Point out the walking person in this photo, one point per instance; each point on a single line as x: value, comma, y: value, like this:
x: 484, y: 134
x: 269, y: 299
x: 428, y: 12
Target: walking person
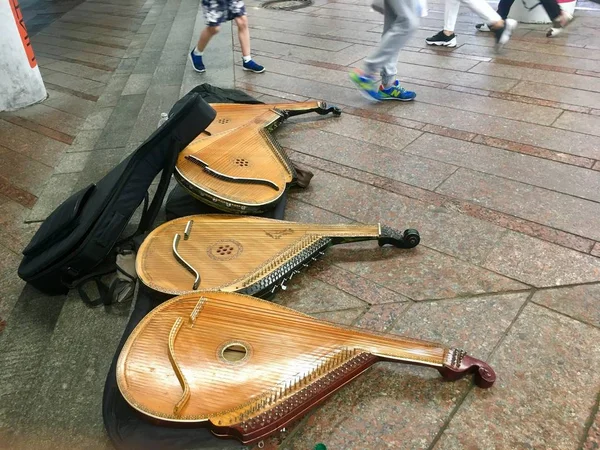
x: 501, y: 27
x: 560, y: 18
x: 401, y: 19
x: 215, y: 13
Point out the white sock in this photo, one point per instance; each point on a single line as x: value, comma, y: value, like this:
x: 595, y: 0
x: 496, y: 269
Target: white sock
x: 247, y: 58
x: 197, y: 52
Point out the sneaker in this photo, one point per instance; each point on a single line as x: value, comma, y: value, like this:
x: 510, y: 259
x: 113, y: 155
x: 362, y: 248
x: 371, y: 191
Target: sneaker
x: 561, y: 22
x: 442, y: 39
x: 252, y: 66
x: 553, y: 32
x: 365, y: 83
x: 483, y: 27
x: 396, y: 92
x: 503, y: 34
x: 197, y: 63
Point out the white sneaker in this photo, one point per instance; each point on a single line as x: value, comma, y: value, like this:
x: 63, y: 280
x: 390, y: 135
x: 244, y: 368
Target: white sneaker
x: 503, y: 34
x: 483, y: 27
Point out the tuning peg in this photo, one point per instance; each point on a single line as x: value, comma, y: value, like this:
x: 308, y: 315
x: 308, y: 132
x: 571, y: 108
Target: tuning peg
x: 282, y: 285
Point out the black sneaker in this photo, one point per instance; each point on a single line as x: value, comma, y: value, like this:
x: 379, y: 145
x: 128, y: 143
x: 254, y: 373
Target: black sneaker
x: 503, y: 34
x: 442, y: 39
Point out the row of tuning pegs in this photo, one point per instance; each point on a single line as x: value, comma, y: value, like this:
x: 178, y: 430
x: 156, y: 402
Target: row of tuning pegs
x: 284, y: 280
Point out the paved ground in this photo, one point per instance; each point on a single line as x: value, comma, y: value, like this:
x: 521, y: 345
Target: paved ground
x: 497, y: 163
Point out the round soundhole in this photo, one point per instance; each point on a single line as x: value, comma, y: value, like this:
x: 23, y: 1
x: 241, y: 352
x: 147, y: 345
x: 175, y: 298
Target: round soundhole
x: 234, y: 352
x: 226, y: 249
x: 241, y: 162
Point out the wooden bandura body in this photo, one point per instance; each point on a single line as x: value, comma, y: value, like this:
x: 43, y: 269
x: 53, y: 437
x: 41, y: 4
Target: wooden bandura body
x: 243, y: 254
x: 248, y: 367
x: 237, y: 165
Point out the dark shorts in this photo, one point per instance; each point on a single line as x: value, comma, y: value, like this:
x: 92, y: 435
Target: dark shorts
x: 218, y: 11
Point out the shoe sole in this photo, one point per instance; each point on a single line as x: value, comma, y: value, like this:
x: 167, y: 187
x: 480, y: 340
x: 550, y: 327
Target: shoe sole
x: 194, y: 67
x: 449, y: 44
x: 398, y: 99
x: 253, y: 71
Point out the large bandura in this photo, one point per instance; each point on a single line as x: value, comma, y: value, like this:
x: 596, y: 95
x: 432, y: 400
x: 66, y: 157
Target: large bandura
x: 249, y: 255
x: 247, y: 368
x: 237, y: 165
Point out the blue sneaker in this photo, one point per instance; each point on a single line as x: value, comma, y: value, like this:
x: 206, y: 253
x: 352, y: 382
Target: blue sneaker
x: 396, y: 92
x: 365, y: 83
x: 197, y: 63
x: 252, y: 66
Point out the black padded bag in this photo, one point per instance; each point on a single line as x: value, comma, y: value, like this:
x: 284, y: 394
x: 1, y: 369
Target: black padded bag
x: 81, y: 233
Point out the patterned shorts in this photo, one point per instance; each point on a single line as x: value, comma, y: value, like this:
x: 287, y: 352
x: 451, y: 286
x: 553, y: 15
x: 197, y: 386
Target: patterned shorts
x: 219, y: 11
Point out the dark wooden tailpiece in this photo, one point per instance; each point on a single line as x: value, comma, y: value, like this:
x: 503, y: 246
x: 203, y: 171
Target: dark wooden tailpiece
x: 484, y: 374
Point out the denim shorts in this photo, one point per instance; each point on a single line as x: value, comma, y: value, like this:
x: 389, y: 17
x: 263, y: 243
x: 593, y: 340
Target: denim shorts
x: 218, y: 11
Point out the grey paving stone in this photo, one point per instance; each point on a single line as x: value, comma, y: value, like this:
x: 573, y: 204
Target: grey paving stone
x: 137, y: 83
x: 98, y: 119
x: 555, y: 79
x: 557, y: 94
x: 540, y: 172
x: 111, y: 94
x: 146, y: 63
x: 158, y: 99
x: 57, y: 190
x: 540, y: 263
x: 169, y: 75
x: 121, y: 122
x: 565, y: 390
x: 372, y: 158
x: 73, y: 162
x: 571, y: 214
x: 582, y: 123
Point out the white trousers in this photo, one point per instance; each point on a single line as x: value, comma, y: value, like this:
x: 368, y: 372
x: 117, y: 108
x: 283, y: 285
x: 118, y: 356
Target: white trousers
x: 479, y: 7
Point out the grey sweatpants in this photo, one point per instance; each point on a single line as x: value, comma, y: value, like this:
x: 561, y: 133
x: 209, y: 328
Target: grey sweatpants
x: 400, y: 20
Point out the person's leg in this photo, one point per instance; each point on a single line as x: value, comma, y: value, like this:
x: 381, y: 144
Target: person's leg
x: 243, y: 34
x: 503, y: 10
x: 400, y: 22
x: 214, y: 14
x: 196, y: 54
x: 502, y: 29
x: 205, y: 37
x: 237, y: 12
x: 446, y: 37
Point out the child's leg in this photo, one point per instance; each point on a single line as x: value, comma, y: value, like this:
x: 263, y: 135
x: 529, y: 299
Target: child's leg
x: 238, y: 12
x: 206, y: 36
x: 243, y: 34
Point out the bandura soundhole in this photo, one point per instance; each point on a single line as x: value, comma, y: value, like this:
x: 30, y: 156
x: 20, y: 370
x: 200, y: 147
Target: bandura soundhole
x: 241, y: 162
x: 247, y: 367
x: 226, y: 250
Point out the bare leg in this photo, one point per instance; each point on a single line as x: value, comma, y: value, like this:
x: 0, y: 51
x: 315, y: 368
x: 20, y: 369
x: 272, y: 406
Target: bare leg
x: 206, y: 36
x: 243, y: 34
